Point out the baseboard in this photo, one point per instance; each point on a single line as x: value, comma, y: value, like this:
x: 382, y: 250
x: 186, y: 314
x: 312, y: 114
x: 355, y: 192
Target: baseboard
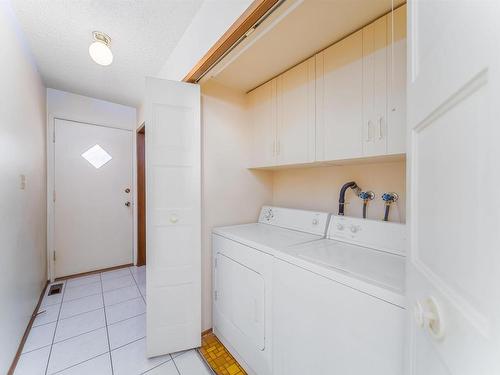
x: 93, y: 272
x: 26, y: 332
x: 206, y: 332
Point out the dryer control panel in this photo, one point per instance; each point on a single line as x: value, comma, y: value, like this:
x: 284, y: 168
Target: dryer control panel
x: 313, y: 222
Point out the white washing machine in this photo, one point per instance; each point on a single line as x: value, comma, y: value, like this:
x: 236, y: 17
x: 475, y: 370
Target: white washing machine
x: 339, y: 304
x: 243, y: 261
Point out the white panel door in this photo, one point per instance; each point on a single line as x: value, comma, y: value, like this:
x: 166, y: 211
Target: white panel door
x: 453, y: 117
x: 263, y: 116
x: 92, y: 223
x: 339, y: 99
x: 173, y: 210
x: 296, y: 114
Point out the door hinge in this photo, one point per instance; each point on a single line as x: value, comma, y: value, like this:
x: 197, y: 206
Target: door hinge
x: 54, y: 196
x: 215, y: 263
x: 54, y: 137
x: 54, y: 256
x: 216, y: 295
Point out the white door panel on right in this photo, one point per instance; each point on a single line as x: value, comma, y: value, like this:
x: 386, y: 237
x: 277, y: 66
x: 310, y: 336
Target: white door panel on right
x: 454, y: 263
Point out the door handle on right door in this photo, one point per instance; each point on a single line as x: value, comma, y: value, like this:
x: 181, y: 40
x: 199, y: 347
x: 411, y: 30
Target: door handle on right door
x: 127, y: 204
x: 429, y: 315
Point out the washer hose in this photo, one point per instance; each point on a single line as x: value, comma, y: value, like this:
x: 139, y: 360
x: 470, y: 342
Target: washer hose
x: 347, y: 185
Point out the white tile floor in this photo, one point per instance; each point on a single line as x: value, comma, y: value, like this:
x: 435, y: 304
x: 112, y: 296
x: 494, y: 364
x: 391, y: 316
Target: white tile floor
x: 97, y: 326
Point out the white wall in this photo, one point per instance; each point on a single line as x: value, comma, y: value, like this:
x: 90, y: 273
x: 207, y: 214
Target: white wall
x: 232, y: 194
x: 22, y: 212
x: 69, y: 106
x: 62, y: 104
x: 318, y: 188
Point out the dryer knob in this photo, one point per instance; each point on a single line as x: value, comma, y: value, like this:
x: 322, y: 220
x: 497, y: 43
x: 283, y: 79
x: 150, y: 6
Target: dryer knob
x: 354, y: 228
x: 340, y: 226
x: 315, y: 222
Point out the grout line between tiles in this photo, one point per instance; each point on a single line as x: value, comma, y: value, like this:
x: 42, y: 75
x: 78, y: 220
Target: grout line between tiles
x: 123, y: 320
x: 107, y: 331
x: 175, y: 364
x: 80, y: 334
x: 80, y: 313
x: 34, y: 350
x: 158, y: 365
x: 79, y: 363
x: 210, y: 369
x: 137, y: 286
x: 55, y: 330
x: 128, y: 343
x: 43, y: 324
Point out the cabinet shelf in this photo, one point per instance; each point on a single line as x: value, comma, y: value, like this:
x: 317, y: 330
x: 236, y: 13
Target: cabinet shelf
x: 325, y: 163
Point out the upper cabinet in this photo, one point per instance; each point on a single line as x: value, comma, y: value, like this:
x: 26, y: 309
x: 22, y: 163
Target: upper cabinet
x: 339, y: 100
x: 296, y: 138
x: 346, y: 102
x: 375, y: 88
x: 396, y: 81
x: 262, y: 103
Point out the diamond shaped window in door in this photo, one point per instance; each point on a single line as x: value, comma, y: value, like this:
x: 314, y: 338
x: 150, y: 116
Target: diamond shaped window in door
x: 96, y: 156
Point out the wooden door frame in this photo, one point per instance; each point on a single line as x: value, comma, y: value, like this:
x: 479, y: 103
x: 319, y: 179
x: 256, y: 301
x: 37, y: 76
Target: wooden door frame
x: 251, y: 16
x: 141, y: 195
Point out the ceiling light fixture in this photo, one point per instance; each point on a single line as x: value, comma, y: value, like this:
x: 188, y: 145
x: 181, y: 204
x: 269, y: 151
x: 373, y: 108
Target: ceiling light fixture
x: 99, y: 50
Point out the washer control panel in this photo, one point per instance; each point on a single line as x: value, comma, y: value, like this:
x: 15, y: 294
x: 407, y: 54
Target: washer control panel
x: 380, y: 235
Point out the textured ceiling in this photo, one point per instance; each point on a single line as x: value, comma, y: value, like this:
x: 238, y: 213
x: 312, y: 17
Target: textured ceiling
x: 143, y: 33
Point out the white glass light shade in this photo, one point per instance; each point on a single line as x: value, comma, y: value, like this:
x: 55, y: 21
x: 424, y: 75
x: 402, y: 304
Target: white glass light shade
x: 101, y: 53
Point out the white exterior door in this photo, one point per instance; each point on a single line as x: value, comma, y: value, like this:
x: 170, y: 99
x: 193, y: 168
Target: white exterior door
x: 173, y: 215
x: 92, y: 223
x: 453, y: 118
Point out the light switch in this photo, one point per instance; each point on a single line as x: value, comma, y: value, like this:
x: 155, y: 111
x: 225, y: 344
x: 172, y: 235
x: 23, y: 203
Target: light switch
x: 22, y: 182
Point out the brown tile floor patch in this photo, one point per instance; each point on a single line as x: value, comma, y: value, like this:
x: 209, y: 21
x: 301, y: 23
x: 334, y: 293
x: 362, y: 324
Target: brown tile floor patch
x: 218, y: 357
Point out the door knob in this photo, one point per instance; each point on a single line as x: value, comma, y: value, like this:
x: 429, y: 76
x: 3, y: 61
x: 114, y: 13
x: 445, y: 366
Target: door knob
x: 127, y: 204
x: 127, y: 190
x: 429, y: 315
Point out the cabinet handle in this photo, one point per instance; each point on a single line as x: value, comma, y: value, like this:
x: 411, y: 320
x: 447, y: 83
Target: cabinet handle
x: 368, y: 131
x: 380, y: 127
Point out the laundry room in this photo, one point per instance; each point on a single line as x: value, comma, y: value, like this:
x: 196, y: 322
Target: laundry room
x: 317, y: 130
x: 250, y: 187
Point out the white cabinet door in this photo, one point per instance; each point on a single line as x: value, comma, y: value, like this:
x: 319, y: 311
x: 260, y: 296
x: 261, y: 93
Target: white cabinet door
x: 296, y: 114
x: 375, y: 88
x: 454, y: 261
x: 173, y: 206
x: 339, y: 100
x: 396, y: 81
x: 262, y: 103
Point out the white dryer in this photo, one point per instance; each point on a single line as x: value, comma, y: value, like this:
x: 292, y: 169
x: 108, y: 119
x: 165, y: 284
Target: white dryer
x: 339, y: 304
x: 242, y: 274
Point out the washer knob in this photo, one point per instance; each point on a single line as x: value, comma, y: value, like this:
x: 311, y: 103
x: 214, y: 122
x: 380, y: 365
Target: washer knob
x: 340, y: 226
x: 354, y: 228
x: 315, y: 222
